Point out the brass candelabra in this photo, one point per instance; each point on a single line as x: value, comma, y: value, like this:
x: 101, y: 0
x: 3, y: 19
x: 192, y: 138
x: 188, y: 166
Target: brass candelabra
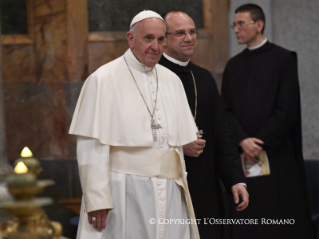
x: 30, y: 220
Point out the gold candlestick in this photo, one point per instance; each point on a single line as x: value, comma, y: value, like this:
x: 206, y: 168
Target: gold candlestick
x: 30, y: 219
x: 22, y: 185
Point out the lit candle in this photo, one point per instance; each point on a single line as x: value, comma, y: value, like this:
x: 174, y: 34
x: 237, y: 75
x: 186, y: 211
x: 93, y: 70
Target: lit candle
x: 21, y: 178
x: 26, y: 152
x: 32, y: 164
x: 20, y: 168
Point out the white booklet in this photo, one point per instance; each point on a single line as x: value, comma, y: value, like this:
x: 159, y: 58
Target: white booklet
x: 255, y: 169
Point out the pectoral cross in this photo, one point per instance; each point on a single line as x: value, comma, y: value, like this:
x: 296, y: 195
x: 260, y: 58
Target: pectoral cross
x: 200, y: 132
x: 155, y: 126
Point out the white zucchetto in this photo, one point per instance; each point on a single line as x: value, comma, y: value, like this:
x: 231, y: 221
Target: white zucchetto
x: 144, y: 15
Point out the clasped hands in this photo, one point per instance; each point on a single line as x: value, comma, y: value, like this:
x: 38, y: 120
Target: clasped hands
x: 251, y: 148
x: 195, y: 148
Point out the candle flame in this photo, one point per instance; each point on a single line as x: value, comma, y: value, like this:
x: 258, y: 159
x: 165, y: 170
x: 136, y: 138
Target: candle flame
x: 26, y: 152
x: 20, y: 168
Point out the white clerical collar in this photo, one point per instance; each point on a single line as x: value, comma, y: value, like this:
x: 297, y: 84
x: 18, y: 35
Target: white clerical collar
x: 258, y: 46
x: 181, y: 63
x: 136, y: 64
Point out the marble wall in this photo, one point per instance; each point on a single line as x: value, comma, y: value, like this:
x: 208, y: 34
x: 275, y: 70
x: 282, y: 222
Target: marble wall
x: 296, y: 28
x: 115, y: 15
x: 2, y: 123
x: 39, y: 118
x: 5, y: 168
x: 38, y: 70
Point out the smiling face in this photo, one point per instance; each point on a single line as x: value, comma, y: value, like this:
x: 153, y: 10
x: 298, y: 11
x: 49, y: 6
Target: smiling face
x: 180, y: 48
x: 147, y: 41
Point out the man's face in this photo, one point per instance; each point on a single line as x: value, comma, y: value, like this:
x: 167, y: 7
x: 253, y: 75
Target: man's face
x: 180, y: 47
x: 148, y: 41
x: 246, y: 29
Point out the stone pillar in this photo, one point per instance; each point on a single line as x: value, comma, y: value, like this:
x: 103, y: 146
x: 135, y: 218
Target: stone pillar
x: 295, y: 29
x: 5, y: 168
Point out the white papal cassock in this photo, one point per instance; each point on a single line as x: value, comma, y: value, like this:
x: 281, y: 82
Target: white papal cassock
x: 110, y: 114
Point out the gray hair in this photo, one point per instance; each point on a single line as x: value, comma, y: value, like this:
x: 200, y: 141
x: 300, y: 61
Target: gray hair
x: 133, y: 29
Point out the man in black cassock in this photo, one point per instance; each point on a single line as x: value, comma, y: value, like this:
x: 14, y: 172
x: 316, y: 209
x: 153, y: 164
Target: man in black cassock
x: 261, y: 93
x: 214, y: 155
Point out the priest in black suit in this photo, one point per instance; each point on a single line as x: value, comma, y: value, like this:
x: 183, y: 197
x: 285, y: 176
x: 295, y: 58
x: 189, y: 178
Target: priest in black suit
x: 261, y: 93
x: 214, y: 155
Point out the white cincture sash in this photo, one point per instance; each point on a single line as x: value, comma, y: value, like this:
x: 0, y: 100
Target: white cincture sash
x: 148, y: 162
x: 145, y: 162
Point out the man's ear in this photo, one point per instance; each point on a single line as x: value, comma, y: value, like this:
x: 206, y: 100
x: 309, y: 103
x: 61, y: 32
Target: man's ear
x: 129, y: 37
x: 260, y: 25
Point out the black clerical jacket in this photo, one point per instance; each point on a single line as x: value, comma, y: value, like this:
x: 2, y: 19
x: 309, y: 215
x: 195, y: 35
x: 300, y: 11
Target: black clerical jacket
x: 260, y: 90
x: 219, y: 160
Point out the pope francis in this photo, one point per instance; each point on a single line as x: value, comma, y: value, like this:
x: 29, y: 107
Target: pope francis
x: 131, y: 120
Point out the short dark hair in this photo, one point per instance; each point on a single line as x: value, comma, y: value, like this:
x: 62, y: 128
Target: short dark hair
x: 255, y: 11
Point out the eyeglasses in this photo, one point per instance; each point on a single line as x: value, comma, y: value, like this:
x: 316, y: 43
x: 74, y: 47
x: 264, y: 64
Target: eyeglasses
x: 241, y: 25
x: 182, y: 33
